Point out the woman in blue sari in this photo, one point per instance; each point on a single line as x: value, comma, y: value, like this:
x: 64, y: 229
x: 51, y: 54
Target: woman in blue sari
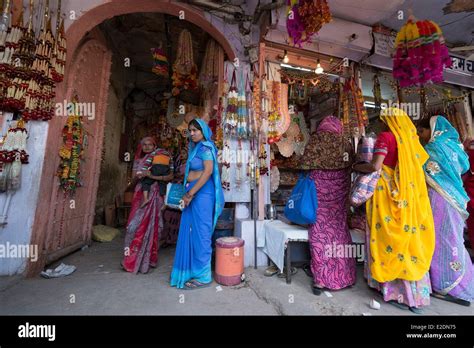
x: 451, y: 272
x: 204, y: 201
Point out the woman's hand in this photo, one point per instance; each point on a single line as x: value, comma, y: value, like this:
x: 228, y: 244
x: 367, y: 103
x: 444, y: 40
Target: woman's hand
x: 187, y: 200
x: 140, y: 174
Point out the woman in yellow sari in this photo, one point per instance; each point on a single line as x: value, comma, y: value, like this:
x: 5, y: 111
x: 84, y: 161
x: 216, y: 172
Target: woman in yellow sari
x: 401, y: 237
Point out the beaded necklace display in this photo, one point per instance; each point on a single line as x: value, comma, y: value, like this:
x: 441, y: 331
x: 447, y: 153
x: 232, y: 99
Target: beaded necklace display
x: 231, y: 117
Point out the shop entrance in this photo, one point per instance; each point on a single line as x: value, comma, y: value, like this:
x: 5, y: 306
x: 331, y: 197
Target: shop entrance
x: 127, y: 104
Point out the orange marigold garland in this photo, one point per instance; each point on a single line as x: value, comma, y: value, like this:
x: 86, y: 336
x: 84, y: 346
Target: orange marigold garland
x: 71, y: 154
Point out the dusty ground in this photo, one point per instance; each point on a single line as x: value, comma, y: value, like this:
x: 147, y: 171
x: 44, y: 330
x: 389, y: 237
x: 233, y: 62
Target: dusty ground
x: 100, y: 287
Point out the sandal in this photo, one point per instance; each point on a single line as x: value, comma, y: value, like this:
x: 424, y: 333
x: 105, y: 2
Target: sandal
x: 416, y: 310
x: 283, y: 274
x: 194, y: 284
x: 452, y: 299
x: 271, y: 271
x: 316, y: 291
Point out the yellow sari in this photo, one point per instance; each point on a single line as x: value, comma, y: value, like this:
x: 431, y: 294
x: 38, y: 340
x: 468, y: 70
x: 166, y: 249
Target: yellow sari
x: 402, y: 234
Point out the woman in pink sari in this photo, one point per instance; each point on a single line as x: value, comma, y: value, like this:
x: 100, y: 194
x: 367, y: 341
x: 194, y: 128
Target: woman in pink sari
x: 144, y: 223
x: 329, y: 157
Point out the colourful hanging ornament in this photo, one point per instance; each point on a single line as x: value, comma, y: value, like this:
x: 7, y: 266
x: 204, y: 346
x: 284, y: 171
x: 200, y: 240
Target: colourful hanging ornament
x: 14, y: 144
x: 160, y: 63
x: 242, y: 116
x: 305, y: 18
x: 58, y: 61
x: 231, y: 116
x: 421, y: 54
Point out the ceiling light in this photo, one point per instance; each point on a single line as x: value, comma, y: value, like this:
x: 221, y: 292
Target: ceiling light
x: 319, y: 69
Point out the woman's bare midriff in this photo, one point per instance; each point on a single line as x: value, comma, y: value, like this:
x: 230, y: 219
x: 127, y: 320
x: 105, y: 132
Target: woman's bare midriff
x: 194, y: 175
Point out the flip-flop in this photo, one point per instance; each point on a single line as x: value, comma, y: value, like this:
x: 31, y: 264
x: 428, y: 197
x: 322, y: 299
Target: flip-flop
x: 194, y: 284
x: 416, y: 310
x: 316, y: 291
x: 452, y: 299
x: 398, y: 305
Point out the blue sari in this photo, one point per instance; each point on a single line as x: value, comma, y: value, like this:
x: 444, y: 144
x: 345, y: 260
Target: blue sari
x: 193, y: 251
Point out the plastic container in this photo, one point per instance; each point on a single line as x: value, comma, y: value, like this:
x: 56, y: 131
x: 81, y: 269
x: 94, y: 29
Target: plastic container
x: 229, y: 261
x: 219, y: 234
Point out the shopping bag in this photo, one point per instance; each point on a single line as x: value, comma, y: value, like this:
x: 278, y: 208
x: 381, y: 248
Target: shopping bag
x: 363, y: 188
x: 303, y: 203
x: 174, y: 196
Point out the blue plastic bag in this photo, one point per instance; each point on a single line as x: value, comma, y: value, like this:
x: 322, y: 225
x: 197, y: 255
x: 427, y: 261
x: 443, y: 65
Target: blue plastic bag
x: 303, y: 202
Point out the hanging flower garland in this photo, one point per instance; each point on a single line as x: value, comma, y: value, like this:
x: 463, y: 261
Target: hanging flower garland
x: 353, y: 104
x: 14, y: 144
x: 71, y: 154
x: 242, y: 116
x: 184, y: 69
x: 305, y: 18
x: 421, y: 54
x: 225, y: 175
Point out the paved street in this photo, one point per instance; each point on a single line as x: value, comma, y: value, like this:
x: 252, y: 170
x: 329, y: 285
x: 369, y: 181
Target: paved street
x: 100, y: 287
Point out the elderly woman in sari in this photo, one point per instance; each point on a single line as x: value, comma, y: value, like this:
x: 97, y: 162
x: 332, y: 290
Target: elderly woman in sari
x: 204, y: 202
x: 401, y: 236
x: 143, y: 227
x: 452, y: 274
x: 329, y: 157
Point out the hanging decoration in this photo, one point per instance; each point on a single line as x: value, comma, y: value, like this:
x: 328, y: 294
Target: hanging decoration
x: 242, y: 116
x: 355, y: 117
x: 209, y: 73
x: 302, y: 138
x: 160, y: 62
x: 305, y: 18
x: 274, y: 178
x: 231, y: 116
x: 377, y: 92
x: 309, y: 81
x: 58, y: 61
x: 184, y: 69
x: 420, y: 54
x: 71, y: 154
x: 225, y: 174
x: 274, y: 115
x: 14, y: 144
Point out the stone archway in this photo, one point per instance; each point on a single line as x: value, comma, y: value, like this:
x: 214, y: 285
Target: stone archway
x: 81, y: 31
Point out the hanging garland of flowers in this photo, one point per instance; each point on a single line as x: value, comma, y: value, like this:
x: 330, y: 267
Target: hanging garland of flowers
x: 231, y: 116
x: 275, y: 115
x: 305, y: 18
x: 58, y: 60
x: 184, y: 70
x: 71, y: 154
x: 14, y: 145
x: 421, y: 54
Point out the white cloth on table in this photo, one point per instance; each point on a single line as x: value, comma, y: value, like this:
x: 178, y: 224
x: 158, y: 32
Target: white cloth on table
x: 277, y: 234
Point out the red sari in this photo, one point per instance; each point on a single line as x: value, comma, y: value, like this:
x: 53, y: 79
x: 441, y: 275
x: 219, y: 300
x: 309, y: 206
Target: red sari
x: 143, y: 229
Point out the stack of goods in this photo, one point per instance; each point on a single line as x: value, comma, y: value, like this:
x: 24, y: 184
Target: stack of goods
x: 184, y: 69
x: 420, y: 54
x: 305, y: 18
x: 12, y: 155
x: 71, y: 154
